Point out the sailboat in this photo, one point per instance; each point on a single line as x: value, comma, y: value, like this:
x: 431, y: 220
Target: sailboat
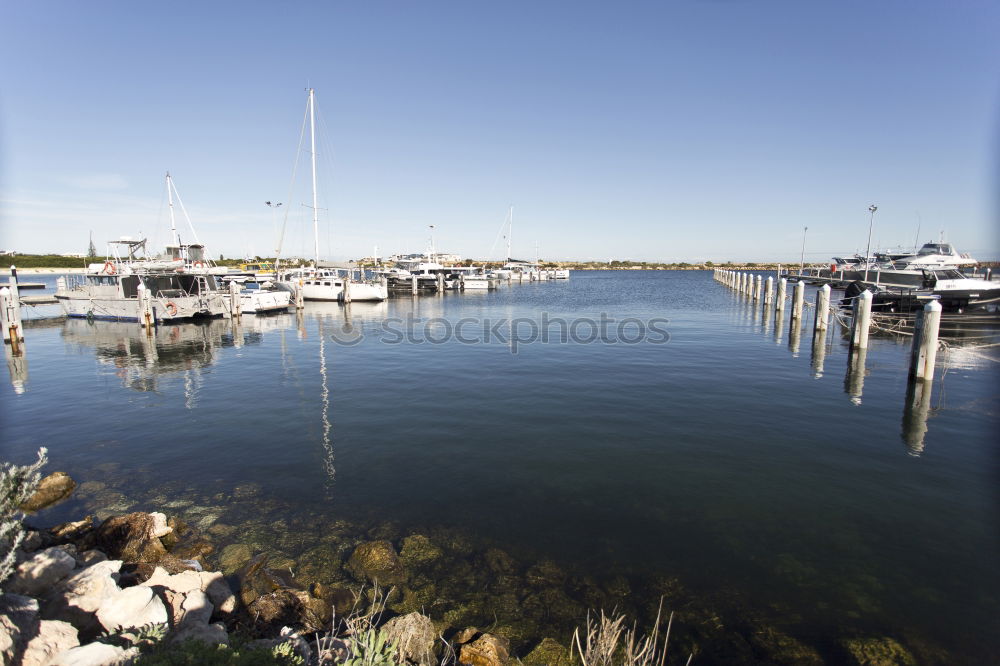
x: 325, y: 284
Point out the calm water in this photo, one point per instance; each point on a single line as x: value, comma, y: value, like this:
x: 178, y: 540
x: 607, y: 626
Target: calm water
x: 723, y: 457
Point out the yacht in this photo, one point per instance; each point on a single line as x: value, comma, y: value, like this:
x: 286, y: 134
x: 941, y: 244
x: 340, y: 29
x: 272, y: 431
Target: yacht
x: 325, y: 284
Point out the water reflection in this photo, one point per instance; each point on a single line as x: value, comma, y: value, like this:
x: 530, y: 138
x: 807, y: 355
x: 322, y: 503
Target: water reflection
x: 17, y: 366
x: 915, y: 413
x: 854, y: 381
x: 818, y: 353
x: 795, y: 336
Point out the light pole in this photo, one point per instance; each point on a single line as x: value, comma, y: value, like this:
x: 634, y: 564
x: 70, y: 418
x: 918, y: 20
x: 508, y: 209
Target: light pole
x: 868, y: 251
x: 802, y: 257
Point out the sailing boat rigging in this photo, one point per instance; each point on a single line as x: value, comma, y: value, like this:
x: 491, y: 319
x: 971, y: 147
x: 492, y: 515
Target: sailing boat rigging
x: 324, y: 284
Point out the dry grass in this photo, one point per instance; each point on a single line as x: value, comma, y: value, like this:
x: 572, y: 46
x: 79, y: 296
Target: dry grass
x: 609, y: 641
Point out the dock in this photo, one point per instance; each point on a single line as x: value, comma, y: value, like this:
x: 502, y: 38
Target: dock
x: 43, y: 299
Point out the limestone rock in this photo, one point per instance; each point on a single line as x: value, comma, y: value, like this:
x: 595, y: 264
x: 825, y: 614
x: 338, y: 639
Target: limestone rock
x: 132, y: 607
x: 95, y: 654
x: 414, y: 636
x: 18, y: 622
x: 131, y: 538
x: 212, y: 584
x: 36, y: 575
x: 276, y: 609
x: 487, y: 650
x: 53, y: 488
x: 376, y: 561
x: 159, y: 528
x: 213, y: 634
x: 465, y: 636
x: 548, y: 653
x: 77, y: 598
x: 54, y: 637
x: 878, y: 652
x: 32, y: 541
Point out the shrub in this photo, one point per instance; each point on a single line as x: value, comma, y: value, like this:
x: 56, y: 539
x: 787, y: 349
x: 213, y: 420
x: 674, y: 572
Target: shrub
x: 17, y: 484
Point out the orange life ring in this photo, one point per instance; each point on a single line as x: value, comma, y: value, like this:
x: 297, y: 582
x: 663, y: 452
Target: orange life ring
x: 171, y: 308
x: 198, y: 264
x: 109, y: 268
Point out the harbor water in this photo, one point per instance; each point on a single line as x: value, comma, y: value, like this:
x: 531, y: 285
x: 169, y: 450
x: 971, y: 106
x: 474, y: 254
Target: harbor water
x: 694, y: 443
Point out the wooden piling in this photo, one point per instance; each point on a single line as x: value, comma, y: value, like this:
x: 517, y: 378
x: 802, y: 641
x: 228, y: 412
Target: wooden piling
x: 923, y: 354
x: 10, y: 320
x: 235, y: 303
x: 769, y: 291
x: 413, y: 284
x: 779, y: 300
x: 300, y: 299
x: 822, y: 308
x: 758, y: 282
x: 861, y: 320
x: 345, y: 295
x: 798, y: 299
x: 146, y: 315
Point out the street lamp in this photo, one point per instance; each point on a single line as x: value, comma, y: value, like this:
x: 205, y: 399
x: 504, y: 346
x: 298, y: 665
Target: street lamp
x: 802, y: 257
x: 868, y: 251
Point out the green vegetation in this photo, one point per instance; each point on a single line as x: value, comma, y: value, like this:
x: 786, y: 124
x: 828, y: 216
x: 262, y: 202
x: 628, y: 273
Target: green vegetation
x: 17, y: 484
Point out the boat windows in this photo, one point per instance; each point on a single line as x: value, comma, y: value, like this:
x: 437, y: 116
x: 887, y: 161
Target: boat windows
x: 102, y: 280
x: 948, y: 275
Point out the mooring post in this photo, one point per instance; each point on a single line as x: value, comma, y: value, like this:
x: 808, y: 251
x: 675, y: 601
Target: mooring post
x: 146, y: 316
x: 300, y: 299
x: 822, y: 308
x: 10, y: 319
x: 757, y: 288
x: 235, y: 304
x: 440, y: 283
x: 861, y: 320
x: 779, y: 299
x: 768, y: 291
x: 413, y: 284
x: 989, y: 275
x: 798, y: 299
x: 15, y: 293
x: 923, y: 354
x: 345, y: 295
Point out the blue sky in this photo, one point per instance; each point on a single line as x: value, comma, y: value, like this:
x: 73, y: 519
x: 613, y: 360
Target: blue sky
x: 690, y: 130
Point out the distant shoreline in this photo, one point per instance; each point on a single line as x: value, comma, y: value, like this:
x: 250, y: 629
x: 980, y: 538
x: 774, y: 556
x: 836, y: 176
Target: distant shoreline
x: 43, y: 271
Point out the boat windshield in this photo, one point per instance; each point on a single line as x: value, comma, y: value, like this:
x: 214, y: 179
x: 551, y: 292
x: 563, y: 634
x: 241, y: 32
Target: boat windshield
x: 949, y: 275
x: 935, y: 248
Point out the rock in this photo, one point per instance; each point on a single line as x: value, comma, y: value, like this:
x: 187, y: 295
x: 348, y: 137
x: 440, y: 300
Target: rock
x: 548, y: 653
x: 418, y: 550
x: 212, y: 584
x: 340, y: 599
x: 781, y: 648
x: 499, y: 562
x: 545, y: 574
x: 18, y: 623
x: 213, y: 634
x: 52, y: 489
x: 487, y: 650
x: 77, y: 598
x: 72, y: 530
x: 95, y: 654
x: 36, y: 575
x: 32, y: 541
x: 132, y: 607
x: 233, y: 557
x: 414, y: 637
x: 316, y: 614
x: 159, y: 528
x: 878, y: 652
x: 376, y: 561
x: 54, y: 637
x: 90, y: 557
x: 131, y: 538
x: 276, y: 609
x: 465, y: 636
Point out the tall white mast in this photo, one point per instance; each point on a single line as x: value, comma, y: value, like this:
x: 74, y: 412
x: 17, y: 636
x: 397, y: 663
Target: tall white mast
x: 170, y: 204
x: 312, y: 151
x: 510, y: 230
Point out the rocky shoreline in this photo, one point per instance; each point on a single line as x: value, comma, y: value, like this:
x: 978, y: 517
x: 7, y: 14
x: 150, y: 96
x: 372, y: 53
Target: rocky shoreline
x: 203, y: 580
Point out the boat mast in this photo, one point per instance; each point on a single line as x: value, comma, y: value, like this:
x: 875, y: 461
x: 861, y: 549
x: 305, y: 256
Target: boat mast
x: 510, y: 230
x: 312, y: 152
x: 170, y: 204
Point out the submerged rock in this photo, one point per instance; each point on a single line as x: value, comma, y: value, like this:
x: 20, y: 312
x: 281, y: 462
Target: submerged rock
x: 418, y: 550
x: 52, y: 489
x: 548, y: 653
x: 414, y: 637
x: 377, y: 562
x: 878, y: 652
x: 233, y: 557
